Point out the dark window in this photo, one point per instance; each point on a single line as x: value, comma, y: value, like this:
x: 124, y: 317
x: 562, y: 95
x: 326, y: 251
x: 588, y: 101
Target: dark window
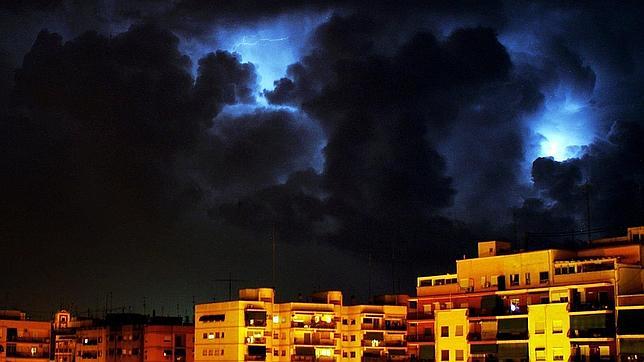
x: 212, y: 318
x: 445, y: 355
x: 543, y: 277
x: 444, y: 331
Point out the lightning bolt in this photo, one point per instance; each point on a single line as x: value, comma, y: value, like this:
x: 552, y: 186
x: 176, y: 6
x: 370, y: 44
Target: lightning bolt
x: 246, y: 42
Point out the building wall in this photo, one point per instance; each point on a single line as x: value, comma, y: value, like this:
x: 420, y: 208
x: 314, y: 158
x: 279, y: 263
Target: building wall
x: 456, y: 324
x: 548, y: 325
x: 24, y: 340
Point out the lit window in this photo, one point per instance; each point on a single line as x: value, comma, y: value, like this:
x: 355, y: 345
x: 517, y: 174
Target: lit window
x: 459, y: 354
x: 514, y: 279
x: 444, y: 331
x: 557, y: 326
x: 276, y: 319
x: 211, y: 335
x: 557, y: 354
x: 445, y: 355
x: 604, y: 351
x: 540, y: 354
x: 459, y: 330
x: 539, y: 327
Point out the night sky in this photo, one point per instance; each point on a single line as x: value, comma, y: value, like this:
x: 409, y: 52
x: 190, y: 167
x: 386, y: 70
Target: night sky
x: 152, y: 149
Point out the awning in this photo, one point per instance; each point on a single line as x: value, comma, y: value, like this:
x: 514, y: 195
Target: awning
x: 592, y: 321
x: 427, y: 353
x: 369, y: 336
x: 212, y: 318
x: 631, y: 345
x: 483, y: 348
x: 513, y: 325
x: 513, y: 350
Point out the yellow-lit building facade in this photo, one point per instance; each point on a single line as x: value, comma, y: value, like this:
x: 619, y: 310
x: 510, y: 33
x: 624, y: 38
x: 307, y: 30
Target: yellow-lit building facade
x: 23, y: 340
x: 547, y: 305
x: 254, y: 328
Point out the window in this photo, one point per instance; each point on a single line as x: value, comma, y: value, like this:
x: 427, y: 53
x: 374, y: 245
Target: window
x: 543, y: 277
x: 604, y: 351
x: 222, y: 334
x: 444, y: 331
x: 283, y: 352
x: 353, y: 338
x: 459, y: 330
x: 204, y: 352
x: 413, y: 304
x: 494, y: 280
x: 205, y: 335
x: 527, y: 278
x: 540, y: 354
x: 276, y: 352
x: 514, y: 279
x: 557, y: 326
x: 353, y: 322
x: 344, y: 337
x: 344, y: 354
x: 539, y: 327
x: 557, y: 354
x: 344, y: 321
x: 445, y: 355
x: 353, y: 355
x: 211, y: 335
x: 459, y: 354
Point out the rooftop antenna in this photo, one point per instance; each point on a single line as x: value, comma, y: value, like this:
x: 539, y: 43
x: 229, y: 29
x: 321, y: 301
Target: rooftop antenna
x: 273, y: 261
x: 230, y: 281
x: 586, y: 188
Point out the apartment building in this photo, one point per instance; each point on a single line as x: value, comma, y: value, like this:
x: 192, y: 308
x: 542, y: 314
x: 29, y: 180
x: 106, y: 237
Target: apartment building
x: 124, y: 337
x: 255, y: 328
x: 547, y: 305
x: 23, y: 340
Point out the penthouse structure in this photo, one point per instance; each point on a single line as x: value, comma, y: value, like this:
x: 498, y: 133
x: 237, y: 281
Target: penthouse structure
x: 255, y: 328
x: 547, y: 305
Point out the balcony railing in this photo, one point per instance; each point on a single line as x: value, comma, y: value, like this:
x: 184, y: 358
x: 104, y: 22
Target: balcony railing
x: 255, y: 340
x: 27, y: 339
x: 396, y: 327
x: 314, y: 342
x: 300, y: 358
x: 15, y: 354
x: 370, y: 343
x: 371, y: 326
x: 318, y: 325
x: 512, y: 336
x: 419, y: 315
x: 585, y: 307
x: 255, y: 323
x: 254, y: 357
x: 592, y: 333
x: 420, y: 338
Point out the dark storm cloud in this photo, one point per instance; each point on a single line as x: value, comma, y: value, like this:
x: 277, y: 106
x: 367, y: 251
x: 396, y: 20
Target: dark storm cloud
x: 419, y: 119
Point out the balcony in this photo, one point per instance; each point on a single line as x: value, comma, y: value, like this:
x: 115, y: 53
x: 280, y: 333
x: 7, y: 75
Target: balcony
x: 368, y: 326
x: 313, y: 342
x: 592, y: 333
x: 377, y: 343
x: 255, y: 340
x: 586, y: 307
x: 630, y: 300
x: 27, y: 339
x: 312, y: 324
x: 396, y: 326
x: 420, y: 315
x: 15, y: 354
x: 420, y: 338
x: 307, y: 358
